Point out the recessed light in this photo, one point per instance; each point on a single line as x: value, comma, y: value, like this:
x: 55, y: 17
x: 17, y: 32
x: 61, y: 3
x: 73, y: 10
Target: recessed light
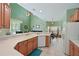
x: 40, y: 10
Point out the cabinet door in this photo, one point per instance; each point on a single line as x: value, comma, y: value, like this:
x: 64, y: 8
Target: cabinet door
x: 47, y: 41
x: 77, y: 14
x: 6, y: 16
x: 30, y: 45
x: 76, y: 50
x: 0, y: 15
x: 17, y: 47
x: 35, y: 43
x: 71, y: 48
x: 23, y: 48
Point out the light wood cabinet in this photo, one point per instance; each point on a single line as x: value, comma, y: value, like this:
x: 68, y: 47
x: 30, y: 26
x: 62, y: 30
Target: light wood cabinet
x: 76, y: 50
x: 0, y: 15
x: 27, y: 46
x: 23, y: 48
x: 75, y: 16
x: 17, y: 47
x: 47, y: 41
x: 30, y: 45
x: 73, y: 49
x: 4, y: 15
x: 35, y: 43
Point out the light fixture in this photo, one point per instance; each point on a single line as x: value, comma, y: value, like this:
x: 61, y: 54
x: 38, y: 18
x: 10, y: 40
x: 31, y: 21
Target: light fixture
x: 28, y: 14
x: 40, y: 11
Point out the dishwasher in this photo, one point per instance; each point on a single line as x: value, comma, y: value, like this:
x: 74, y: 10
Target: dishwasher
x: 41, y: 41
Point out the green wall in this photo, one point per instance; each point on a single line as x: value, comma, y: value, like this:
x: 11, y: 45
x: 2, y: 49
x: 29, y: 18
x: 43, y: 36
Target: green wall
x: 36, y: 21
x: 18, y: 17
x: 19, y: 13
x: 54, y: 23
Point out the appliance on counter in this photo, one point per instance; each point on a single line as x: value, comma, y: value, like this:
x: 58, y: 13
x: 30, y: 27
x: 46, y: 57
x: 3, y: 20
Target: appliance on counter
x: 36, y: 31
x: 17, y: 32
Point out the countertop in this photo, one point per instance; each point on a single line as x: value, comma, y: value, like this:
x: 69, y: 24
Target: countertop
x: 7, y: 43
x: 76, y: 42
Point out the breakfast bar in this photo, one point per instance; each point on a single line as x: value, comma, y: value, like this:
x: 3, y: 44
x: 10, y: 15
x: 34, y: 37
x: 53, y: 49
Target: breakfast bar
x: 21, y: 44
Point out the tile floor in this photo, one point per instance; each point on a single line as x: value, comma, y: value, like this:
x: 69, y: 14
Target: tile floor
x: 55, y: 49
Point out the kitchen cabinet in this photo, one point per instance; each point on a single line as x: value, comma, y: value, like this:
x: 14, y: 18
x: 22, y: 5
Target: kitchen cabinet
x: 27, y: 46
x: 17, y: 47
x: 23, y: 47
x: 47, y: 41
x: 35, y: 43
x: 0, y: 15
x: 75, y: 16
x: 76, y: 50
x: 30, y: 45
x: 4, y: 15
x: 73, y: 49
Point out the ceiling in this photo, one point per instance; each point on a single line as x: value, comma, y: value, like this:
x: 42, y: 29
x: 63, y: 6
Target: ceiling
x: 49, y: 11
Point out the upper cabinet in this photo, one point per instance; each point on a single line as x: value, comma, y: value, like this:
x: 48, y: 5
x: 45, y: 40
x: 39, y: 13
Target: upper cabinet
x: 4, y: 15
x: 75, y: 16
x: 0, y: 15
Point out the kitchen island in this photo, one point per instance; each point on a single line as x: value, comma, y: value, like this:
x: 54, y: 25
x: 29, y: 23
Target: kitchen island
x: 8, y: 43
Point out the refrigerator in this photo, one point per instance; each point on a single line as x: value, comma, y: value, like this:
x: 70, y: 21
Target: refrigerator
x: 71, y: 33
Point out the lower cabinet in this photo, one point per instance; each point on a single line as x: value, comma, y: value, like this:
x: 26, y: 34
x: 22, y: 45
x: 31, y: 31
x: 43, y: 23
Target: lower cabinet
x: 23, y: 48
x: 30, y: 45
x: 35, y: 43
x: 47, y: 41
x: 76, y: 50
x: 73, y: 49
x: 27, y: 46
